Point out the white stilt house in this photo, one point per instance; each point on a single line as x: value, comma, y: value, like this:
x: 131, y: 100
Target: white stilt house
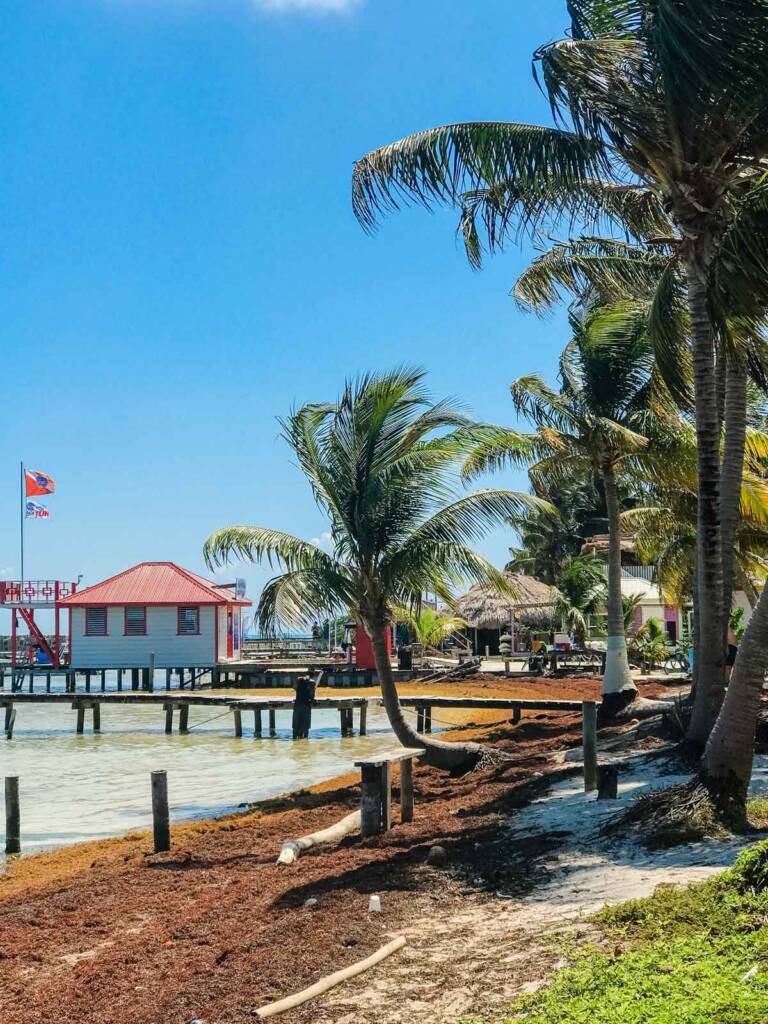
x: 155, y: 608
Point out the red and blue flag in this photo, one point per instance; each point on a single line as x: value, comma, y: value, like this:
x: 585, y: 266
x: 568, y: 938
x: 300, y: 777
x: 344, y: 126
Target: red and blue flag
x: 38, y: 483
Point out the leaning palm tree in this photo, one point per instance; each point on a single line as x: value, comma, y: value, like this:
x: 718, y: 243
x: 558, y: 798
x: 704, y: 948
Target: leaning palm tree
x: 654, y: 97
x: 382, y: 463
x: 600, y: 422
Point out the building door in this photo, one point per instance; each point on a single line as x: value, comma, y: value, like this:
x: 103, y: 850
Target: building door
x: 230, y: 636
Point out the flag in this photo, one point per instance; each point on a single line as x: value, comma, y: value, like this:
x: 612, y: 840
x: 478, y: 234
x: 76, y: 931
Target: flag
x: 35, y: 511
x: 38, y: 483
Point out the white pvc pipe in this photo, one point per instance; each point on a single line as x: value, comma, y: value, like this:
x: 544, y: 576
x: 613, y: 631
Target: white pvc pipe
x: 332, y: 980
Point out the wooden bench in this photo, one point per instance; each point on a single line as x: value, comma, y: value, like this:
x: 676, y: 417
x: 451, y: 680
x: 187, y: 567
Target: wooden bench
x: 376, y: 799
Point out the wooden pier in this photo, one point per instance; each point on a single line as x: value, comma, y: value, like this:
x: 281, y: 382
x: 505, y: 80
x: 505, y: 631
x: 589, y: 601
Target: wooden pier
x: 181, y: 703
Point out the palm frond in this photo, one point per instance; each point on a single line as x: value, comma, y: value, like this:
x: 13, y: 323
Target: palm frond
x: 435, y: 167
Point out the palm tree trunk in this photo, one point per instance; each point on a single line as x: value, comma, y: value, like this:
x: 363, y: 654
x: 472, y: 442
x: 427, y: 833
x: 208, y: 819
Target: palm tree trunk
x: 727, y: 763
x: 618, y: 686
x: 745, y: 583
x: 731, y: 473
x: 711, y: 659
x: 448, y: 756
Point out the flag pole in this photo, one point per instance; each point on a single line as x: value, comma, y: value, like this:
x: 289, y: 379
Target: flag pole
x: 21, y: 519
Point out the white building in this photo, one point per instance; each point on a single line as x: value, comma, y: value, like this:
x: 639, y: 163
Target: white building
x: 676, y: 622
x: 154, y: 608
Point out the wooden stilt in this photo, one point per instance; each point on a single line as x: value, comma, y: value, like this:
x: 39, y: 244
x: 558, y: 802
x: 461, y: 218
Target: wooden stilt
x: 168, y: 719
x: 589, y: 744
x: 10, y: 719
x: 184, y: 718
x: 238, y: 716
x: 272, y: 729
x: 168, y: 679
x: 80, y: 727
x: 376, y: 805
x: 12, y: 815
x: 161, y: 831
x: 96, y: 716
x: 47, y: 682
x: 87, y: 682
x: 257, y: 723
x: 103, y: 680
x: 420, y: 719
x: 428, y: 719
x: 119, y: 680
x: 364, y: 719
x: 134, y: 679
x: 406, y: 790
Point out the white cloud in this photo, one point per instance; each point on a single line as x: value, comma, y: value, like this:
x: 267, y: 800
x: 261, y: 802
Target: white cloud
x: 324, y: 542
x: 322, y: 6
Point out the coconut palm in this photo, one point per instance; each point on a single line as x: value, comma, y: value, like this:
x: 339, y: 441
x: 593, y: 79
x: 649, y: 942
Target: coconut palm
x: 582, y: 593
x: 597, y: 423
x: 646, y: 284
x: 548, y: 541
x: 652, y: 95
x: 382, y: 462
x: 430, y: 627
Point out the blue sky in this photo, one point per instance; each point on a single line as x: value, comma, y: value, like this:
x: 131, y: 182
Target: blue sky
x: 180, y: 264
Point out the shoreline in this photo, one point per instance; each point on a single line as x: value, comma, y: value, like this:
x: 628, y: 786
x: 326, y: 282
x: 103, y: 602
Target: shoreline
x: 107, y: 932
x: 460, y: 724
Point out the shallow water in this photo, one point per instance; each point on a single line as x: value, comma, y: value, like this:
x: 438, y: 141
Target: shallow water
x: 74, y: 788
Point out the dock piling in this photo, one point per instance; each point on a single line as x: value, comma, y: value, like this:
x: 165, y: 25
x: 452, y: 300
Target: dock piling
x: 160, y: 819
x: 406, y: 790
x: 12, y: 815
x: 272, y: 729
x: 257, y: 733
x: 10, y: 718
x: 238, y: 716
x: 589, y: 744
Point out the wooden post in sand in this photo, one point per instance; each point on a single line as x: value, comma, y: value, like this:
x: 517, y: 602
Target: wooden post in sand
x: 12, y: 815
x: 589, y: 744
x: 160, y: 823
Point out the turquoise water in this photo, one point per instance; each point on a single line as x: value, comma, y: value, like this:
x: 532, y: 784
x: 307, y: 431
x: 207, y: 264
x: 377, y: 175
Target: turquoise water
x: 75, y: 788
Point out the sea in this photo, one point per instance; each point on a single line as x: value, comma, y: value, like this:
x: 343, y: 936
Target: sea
x: 75, y: 788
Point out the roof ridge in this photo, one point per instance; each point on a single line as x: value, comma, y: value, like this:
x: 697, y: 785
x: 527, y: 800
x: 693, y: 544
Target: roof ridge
x: 197, y: 580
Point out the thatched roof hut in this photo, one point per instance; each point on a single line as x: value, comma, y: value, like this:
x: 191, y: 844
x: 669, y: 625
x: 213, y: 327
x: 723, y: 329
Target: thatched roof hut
x: 484, y: 608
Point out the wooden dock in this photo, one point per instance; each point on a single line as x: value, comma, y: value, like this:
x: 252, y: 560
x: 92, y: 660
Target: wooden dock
x: 181, y: 703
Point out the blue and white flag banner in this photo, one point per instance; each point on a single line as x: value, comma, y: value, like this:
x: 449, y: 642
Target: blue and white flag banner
x: 35, y: 511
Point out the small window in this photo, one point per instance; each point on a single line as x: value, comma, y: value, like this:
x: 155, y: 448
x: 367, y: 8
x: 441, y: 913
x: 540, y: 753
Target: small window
x: 95, y: 621
x: 135, y: 621
x: 189, y: 621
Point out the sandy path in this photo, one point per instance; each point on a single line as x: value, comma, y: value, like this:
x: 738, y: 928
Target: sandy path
x: 471, y: 953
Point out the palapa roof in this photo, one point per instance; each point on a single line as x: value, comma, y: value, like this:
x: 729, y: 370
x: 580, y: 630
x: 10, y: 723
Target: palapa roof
x: 484, y: 608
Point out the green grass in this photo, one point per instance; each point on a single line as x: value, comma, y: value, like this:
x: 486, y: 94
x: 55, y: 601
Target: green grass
x: 678, y: 957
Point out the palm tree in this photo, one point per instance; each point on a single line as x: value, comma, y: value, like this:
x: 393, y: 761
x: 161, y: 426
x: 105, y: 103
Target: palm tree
x: 581, y: 593
x: 548, y: 541
x: 382, y: 463
x: 428, y: 626
x: 645, y: 284
x: 663, y: 107
x: 597, y: 423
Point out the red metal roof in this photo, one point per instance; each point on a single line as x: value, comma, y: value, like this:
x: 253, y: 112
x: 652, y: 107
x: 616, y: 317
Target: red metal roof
x: 154, y: 583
